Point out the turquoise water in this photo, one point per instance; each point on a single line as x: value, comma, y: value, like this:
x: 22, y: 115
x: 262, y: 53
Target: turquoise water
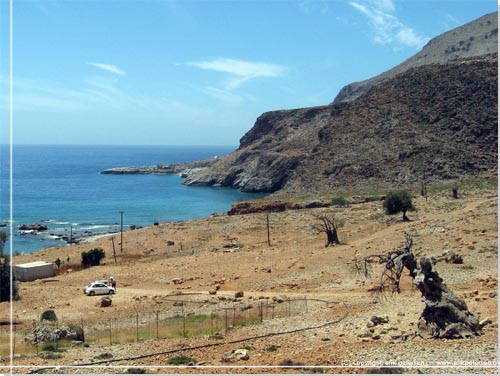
x: 61, y: 188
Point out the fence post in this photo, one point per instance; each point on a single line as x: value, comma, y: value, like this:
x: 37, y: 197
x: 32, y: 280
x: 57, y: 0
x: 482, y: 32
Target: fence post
x: 260, y: 311
x: 234, y: 316
x: 137, y: 326
x: 57, y: 338
x: 83, y: 331
x: 157, y: 323
x: 225, y: 311
x: 289, y: 302
x: 307, y: 309
x: 110, y: 341
x: 14, y: 344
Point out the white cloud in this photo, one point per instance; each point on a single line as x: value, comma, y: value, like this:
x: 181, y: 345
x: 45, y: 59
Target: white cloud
x: 240, y: 71
x: 224, y: 95
x: 389, y: 30
x: 109, y: 68
x: 386, y: 5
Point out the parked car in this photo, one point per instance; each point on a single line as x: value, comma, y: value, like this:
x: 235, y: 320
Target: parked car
x: 98, y: 288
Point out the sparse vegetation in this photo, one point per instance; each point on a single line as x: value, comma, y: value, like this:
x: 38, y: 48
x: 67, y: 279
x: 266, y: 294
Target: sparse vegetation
x: 92, y: 257
x: 5, y: 278
x: 397, y: 202
x: 136, y: 371
x: 52, y: 348
x: 339, y: 201
x: 49, y: 315
x: 330, y: 224
x: 105, y: 355
x: 179, y: 360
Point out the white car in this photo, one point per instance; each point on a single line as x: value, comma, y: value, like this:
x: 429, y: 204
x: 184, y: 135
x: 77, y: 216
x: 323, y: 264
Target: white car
x: 98, y: 288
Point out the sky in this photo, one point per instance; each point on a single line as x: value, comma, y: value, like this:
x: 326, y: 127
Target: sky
x: 134, y: 72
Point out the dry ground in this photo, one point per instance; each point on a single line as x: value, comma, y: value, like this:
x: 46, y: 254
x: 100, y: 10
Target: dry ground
x: 234, y: 249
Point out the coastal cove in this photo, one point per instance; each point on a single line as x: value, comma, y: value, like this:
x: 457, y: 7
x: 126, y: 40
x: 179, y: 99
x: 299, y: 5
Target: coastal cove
x: 61, y: 188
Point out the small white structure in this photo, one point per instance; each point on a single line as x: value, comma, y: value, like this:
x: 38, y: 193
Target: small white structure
x: 33, y: 270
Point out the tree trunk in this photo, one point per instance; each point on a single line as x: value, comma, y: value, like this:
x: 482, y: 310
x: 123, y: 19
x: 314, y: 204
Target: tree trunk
x: 405, y: 218
x: 445, y: 314
x: 332, y: 237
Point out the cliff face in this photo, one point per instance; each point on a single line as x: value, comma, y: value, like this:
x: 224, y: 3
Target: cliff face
x: 268, y: 153
x: 434, y: 119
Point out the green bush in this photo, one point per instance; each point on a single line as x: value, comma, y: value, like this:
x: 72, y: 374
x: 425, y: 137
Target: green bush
x: 5, y: 277
x: 181, y: 360
x: 339, y: 200
x: 136, y: 371
x: 397, y: 202
x: 92, y: 257
x: 80, y: 335
x: 52, y: 348
x: 49, y: 315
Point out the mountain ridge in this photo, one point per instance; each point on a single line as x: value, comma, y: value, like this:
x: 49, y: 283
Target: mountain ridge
x: 476, y: 38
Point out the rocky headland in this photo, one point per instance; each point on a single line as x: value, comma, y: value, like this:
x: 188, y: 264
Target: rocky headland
x: 432, y: 118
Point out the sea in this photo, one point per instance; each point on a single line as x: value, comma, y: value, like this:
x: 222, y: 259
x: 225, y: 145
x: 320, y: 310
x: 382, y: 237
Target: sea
x: 60, y: 187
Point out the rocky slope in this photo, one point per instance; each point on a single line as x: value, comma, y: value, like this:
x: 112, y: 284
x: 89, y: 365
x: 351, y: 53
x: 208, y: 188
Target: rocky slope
x: 435, y: 114
x: 479, y: 37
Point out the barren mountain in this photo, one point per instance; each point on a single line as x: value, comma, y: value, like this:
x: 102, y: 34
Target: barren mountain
x: 479, y: 37
x: 435, y: 114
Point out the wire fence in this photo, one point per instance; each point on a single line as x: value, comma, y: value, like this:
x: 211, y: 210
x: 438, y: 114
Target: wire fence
x: 178, y: 317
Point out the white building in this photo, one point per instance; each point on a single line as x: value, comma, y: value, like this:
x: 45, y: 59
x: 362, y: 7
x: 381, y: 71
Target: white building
x: 33, y: 270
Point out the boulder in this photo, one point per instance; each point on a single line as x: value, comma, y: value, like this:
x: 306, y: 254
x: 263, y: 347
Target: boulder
x: 44, y: 332
x: 454, y: 258
x: 106, y: 302
x: 377, y: 320
x: 235, y: 355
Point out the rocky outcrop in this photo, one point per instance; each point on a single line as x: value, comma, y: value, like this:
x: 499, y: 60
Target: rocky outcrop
x: 160, y: 169
x: 44, y: 332
x: 33, y: 227
x: 268, y: 153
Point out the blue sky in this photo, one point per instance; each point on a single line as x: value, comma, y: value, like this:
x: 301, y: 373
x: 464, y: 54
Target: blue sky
x: 196, y: 72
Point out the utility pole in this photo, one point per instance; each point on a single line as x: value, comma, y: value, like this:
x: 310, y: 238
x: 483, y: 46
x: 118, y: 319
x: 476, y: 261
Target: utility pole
x: 114, y: 252
x: 121, y: 231
x: 268, y: 232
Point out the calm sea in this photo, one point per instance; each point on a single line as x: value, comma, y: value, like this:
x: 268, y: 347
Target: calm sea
x: 61, y: 188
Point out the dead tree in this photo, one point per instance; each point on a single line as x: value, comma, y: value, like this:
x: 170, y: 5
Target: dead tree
x: 445, y: 314
x: 454, y: 192
x: 330, y: 225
